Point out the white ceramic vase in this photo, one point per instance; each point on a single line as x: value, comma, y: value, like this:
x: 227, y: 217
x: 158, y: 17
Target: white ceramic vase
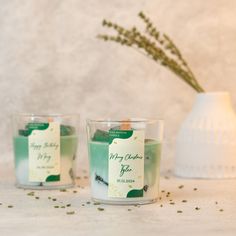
x: 206, y: 142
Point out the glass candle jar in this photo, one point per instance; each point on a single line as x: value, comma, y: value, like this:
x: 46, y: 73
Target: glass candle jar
x: 45, y: 150
x: 124, y: 160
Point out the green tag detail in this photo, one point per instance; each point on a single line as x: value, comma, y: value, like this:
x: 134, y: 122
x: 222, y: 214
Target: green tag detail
x: 122, y: 134
x: 33, y: 126
x: 53, y: 178
x: 135, y: 193
x: 38, y: 126
x: 65, y: 130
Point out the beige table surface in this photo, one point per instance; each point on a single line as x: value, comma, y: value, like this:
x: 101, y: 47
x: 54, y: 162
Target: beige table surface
x: 31, y: 216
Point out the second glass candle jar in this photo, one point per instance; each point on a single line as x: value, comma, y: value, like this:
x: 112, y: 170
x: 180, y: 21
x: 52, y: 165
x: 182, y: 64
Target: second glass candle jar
x: 124, y: 160
x: 45, y: 150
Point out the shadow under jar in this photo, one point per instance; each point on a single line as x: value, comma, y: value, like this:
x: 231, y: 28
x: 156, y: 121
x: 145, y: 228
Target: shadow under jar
x: 124, y: 158
x: 45, y: 149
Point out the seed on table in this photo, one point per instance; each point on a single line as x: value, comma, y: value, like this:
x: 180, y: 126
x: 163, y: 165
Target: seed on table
x: 195, y: 189
x: 30, y: 194
x: 96, y: 203
x: 10, y: 206
x: 70, y: 212
x: 181, y: 186
x: 184, y: 200
x: 221, y: 210
x: 179, y: 211
x: 100, y: 209
x: 197, y: 208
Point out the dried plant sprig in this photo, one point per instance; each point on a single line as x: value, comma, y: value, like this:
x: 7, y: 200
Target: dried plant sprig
x: 155, y: 45
x: 165, y: 40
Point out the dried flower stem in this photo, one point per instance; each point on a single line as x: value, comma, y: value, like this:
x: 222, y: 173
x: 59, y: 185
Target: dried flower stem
x: 155, y: 45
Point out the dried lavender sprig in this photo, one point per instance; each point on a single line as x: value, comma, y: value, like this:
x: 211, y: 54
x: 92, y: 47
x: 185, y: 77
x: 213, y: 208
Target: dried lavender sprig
x: 173, y: 65
x: 169, y: 44
x: 133, y: 38
x: 162, y: 39
x: 155, y: 53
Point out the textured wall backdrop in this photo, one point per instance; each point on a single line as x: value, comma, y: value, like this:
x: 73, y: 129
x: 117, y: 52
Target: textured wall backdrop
x: 51, y: 61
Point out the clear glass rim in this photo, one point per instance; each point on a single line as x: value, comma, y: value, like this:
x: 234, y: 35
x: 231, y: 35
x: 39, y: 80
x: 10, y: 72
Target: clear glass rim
x: 125, y: 121
x: 46, y: 115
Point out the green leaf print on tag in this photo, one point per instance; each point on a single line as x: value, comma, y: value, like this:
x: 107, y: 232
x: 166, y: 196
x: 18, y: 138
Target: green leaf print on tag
x: 135, y: 193
x: 53, y: 178
x: 33, y: 126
